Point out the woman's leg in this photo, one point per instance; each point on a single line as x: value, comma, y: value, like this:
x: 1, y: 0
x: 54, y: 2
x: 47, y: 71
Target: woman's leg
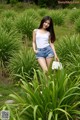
x: 48, y: 61
x: 43, y: 64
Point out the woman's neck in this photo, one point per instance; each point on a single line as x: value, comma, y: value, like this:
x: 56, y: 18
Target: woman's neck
x: 43, y: 29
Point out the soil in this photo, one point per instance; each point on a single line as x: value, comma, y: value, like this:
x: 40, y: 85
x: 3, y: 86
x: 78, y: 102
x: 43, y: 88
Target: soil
x: 4, y: 78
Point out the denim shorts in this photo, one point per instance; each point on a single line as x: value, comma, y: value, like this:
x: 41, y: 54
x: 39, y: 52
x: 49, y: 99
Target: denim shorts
x: 46, y: 52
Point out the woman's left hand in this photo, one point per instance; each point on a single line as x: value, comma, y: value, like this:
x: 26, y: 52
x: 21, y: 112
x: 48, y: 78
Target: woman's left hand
x: 56, y: 58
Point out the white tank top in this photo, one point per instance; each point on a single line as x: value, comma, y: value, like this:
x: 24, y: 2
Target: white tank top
x: 42, y: 39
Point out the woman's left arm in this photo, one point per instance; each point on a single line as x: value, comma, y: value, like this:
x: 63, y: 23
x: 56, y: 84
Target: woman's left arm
x: 55, y: 55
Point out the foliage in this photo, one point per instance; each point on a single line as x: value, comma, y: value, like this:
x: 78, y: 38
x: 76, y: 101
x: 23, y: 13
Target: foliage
x: 74, y: 66
x: 52, y: 97
x: 9, y: 43
x: 25, y: 25
x: 46, y: 3
x: 21, y: 65
x: 73, y: 15
x: 77, y: 25
x: 42, y: 3
x: 65, y: 11
x: 7, y: 24
x: 58, y: 17
x: 13, y: 2
x: 69, y: 49
x: 32, y: 13
x: 42, y: 12
x: 8, y: 20
x: 74, y: 6
x: 9, y: 14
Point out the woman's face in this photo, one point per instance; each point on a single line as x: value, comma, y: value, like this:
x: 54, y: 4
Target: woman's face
x: 46, y: 24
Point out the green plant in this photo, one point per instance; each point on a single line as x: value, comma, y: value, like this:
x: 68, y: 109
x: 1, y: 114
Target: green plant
x: 25, y: 5
x: 58, y: 17
x: 20, y: 5
x: 77, y: 25
x: 25, y: 25
x: 32, y: 13
x: 74, y: 6
x: 73, y: 66
x: 51, y: 98
x: 68, y: 50
x: 7, y: 24
x: 68, y: 45
x: 65, y: 11
x: 46, y: 3
x: 42, y: 12
x: 42, y: 3
x: 13, y: 2
x: 73, y: 15
x: 9, y: 14
x: 9, y: 44
x: 22, y: 64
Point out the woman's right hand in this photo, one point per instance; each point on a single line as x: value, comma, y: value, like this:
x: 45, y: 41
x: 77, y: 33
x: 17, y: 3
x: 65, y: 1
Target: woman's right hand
x: 36, y: 51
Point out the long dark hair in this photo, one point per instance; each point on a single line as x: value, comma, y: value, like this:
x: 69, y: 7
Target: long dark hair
x: 50, y: 28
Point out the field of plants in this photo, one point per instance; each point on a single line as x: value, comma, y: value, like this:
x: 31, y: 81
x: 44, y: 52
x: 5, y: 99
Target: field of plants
x: 24, y: 89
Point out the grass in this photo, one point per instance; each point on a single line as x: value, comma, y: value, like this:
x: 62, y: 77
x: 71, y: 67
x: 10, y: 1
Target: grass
x: 5, y: 90
x: 61, y: 31
x: 7, y: 86
x: 58, y: 99
x: 19, y: 7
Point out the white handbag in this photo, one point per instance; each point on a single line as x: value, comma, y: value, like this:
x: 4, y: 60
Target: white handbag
x: 56, y: 65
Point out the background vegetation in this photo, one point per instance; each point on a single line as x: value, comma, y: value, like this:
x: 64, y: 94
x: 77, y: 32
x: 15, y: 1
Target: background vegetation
x: 24, y: 88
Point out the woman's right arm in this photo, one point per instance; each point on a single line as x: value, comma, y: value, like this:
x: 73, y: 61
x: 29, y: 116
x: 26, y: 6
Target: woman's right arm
x: 34, y: 41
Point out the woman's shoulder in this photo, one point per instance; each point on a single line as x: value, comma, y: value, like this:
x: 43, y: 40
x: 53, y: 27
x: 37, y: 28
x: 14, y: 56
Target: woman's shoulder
x: 35, y: 30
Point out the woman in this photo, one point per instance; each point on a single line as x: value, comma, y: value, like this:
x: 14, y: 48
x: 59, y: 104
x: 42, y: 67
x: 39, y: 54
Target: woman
x: 43, y: 39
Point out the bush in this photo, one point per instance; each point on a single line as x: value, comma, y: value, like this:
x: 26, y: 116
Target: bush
x: 13, y: 2
x: 73, y: 15
x: 58, y: 17
x: 69, y: 49
x: 22, y: 64
x: 32, y: 13
x: 7, y: 24
x: 47, y: 3
x: 42, y: 12
x: 9, y: 43
x: 77, y: 25
x: 73, y: 67
x: 53, y: 98
x: 25, y: 25
x: 42, y: 3
x: 9, y: 14
x: 65, y: 11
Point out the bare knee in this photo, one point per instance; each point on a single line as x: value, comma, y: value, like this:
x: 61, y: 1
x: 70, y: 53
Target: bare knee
x: 45, y: 70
